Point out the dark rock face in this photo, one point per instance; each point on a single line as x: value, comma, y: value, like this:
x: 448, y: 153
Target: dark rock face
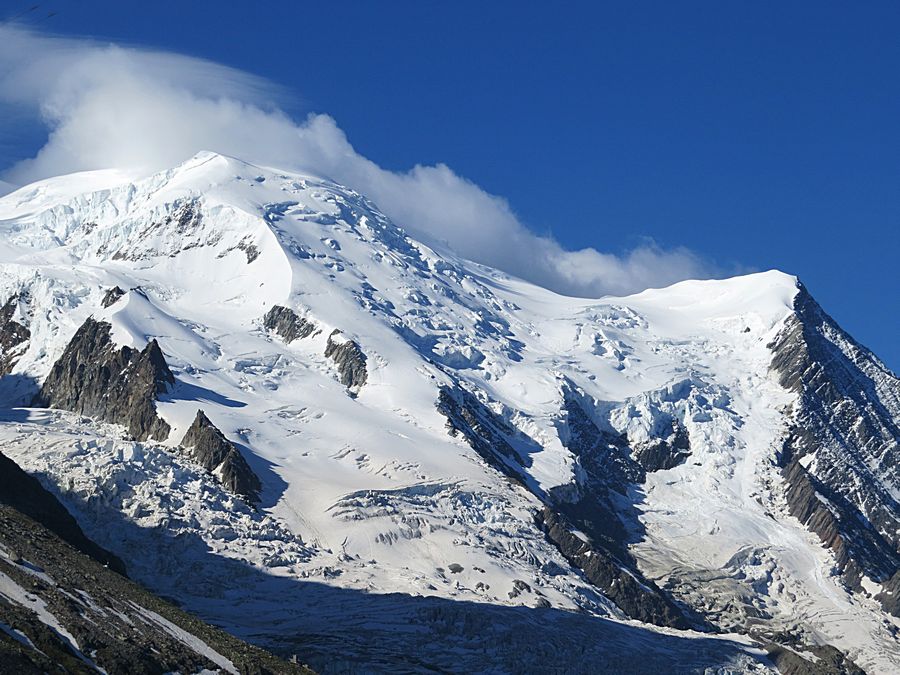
x: 858, y: 548
x: 250, y: 250
x: 485, y: 432
x: 25, y: 494
x: 667, y: 453
x: 606, y: 469
x: 118, y: 626
x: 350, y: 361
x: 112, y: 296
x: 841, y: 457
x: 890, y: 596
x: 14, y: 337
x: 186, y: 216
x: 215, y: 453
x: 605, y: 465
x: 637, y: 597
x: 94, y: 378
x: 829, y: 661
x: 603, y: 454
x: 287, y: 324
x: 346, y: 354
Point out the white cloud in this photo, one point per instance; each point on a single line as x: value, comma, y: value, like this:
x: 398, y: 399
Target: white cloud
x: 111, y: 106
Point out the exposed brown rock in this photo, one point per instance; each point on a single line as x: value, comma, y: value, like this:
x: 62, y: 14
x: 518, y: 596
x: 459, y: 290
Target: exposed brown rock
x: 890, y: 594
x: 843, y: 447
x: 24, y: 493
x: 118, y: 626
x: 112, y: 296
x: 604, y: 560
x: 828, y: 661
x: 639, y: 598
x: 287, y: 324
x: 215, y: 453
x: 95, y: 378
x: 350, y: 361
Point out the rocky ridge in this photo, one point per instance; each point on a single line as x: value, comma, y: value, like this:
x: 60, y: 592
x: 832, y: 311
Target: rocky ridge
x: 215, y: 453
x: 349, y: 359
x: 24, y: 493
x: 583, y: 507
x: 13, y: 337
x: 120, y: 385
x: 526, y: 442
x: 63, y: 608
x: 843, y: 445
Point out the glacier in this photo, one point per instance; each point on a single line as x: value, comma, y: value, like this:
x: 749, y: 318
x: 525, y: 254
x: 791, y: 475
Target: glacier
x: 410, y: 414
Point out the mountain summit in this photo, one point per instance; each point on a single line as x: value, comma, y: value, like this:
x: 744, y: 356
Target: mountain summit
x: 315, y: 432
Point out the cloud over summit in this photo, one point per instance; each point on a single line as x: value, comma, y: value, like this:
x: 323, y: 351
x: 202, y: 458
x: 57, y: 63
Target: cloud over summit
x: 112, y: 106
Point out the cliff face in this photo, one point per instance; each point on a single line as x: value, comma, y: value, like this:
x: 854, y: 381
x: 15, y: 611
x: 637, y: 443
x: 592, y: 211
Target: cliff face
x: 287, y: 324
x: 24, y: 493
x: 94, y: 377
x: 208, y: 447
x: 64, y: 607
x: 842, y: 451
x: 581, y: 520
x: 482, y: 430
x: 13, y: 337
x: 350, y: 361
x: 638, y: 597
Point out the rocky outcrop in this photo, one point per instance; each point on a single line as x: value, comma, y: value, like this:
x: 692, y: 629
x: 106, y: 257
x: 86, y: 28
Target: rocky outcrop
x: 605, y: 465
x: 639, y: 598
x: 346, y: 354
x: 96, y: 378
x: 664, y: 453
x: 287, y: 324
x: 250, y: 250
x: 841, y: 456
x: 215, y: 453
x: 890, y: 594
x: 603, y: 474
x: 25, y: 494
x: 112, y: 296
x: 484, y: 431
x: 858, y: 548
x: 828, y: 660
x: 64, y: 612
x: 14, y: 337
x: 349, y: 359
x: 603, y: 454
x: 591, y: 506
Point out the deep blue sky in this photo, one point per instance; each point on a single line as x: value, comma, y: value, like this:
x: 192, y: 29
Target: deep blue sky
x: 759, y: 134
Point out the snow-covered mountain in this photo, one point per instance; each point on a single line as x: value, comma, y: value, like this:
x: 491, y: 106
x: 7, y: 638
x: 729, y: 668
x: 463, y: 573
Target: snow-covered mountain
x: 328, y: 438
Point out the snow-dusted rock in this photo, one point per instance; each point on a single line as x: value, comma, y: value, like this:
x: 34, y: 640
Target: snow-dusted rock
x: 95, y: 377
x: 659, y: 430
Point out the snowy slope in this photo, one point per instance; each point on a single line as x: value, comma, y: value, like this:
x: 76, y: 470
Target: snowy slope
x: 64, y: 609
x: 364, y: 488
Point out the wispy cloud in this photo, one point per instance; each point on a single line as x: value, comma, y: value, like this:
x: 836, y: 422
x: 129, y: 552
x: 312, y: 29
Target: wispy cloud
x: 113, y: 106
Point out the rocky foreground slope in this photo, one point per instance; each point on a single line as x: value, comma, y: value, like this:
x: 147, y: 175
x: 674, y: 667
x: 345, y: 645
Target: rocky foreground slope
x: 314, y: 431
x: 66, y: 606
